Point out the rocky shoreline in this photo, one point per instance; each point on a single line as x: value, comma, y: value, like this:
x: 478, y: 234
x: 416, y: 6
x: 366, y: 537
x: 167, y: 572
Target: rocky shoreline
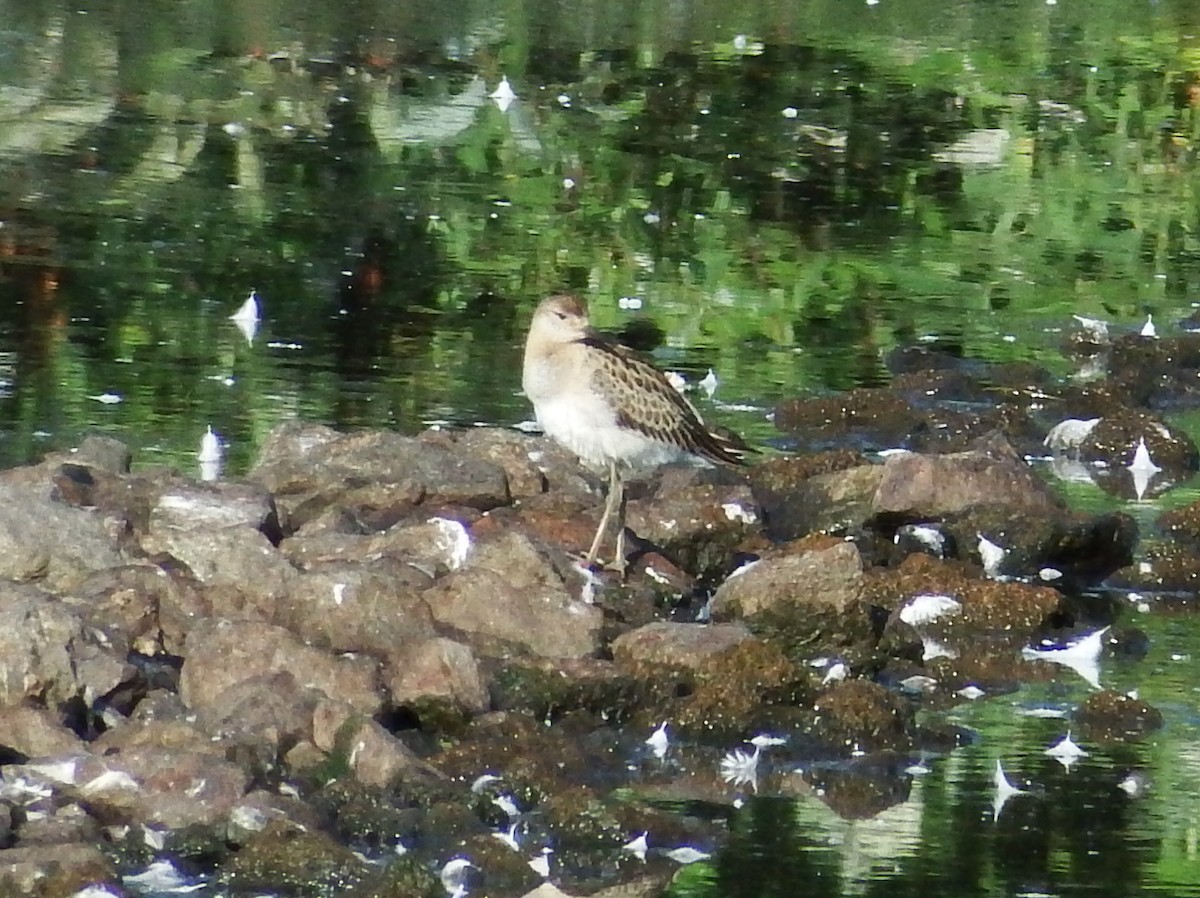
x: 377, y: 653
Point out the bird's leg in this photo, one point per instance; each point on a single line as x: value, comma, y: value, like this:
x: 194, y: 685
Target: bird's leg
x: 618, y: 486
x: 608, y: 506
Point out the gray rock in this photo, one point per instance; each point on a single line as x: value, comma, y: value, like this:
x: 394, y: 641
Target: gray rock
x: 429, y: 547
x: 510, y: 592
x: 685, y: 646
x: 216, y: 506
x: 512, y: 451
x: 694, y: 519
x: 309, y: 469
x: 375, y: 756
x: 26, y: 870
x: 438, y: 670
x: 36, y: 732
x: 46, y: 654
x: 50, y: 542
x: 826, y: 578
x: 219, y: 654
x: 354, y: 608
x: 929, y: 486
x: 141, y: 607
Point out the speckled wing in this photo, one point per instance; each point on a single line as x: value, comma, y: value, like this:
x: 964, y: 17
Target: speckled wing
x: 646, y: 402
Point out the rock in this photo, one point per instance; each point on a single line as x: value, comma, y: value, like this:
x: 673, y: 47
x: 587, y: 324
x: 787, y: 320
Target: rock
x: 1108, y: 716
x: 354, y: 608
x: 858, y: 792
x: 509, y: 450
x: 806, y: 494
x: 144, y: 608
x: 987, y: 607
x: 682, y: 646
x: 875, y: 418
x: 218, y: 654
x: 240, y: 559
x: 46, y: 655
x: 693, y: 519
x: 261, y: 717
x: 51, y: 871
x: 375, y: 757
x: 436, y: 673
x: 309, y: 469
x: 858, y: 715
x: 36, y: 732
x: 545, y: 688
x: 1115, y: 440
x: 428, y: 547
x: 829, y: 577
x: 154, y: 784
x: 741, y: 690
x: 926, y: 487
x: 285, y: 858
x: 58, y: 824
x: 216, y: 506
x: 509, y: 591
x: 48, y: 541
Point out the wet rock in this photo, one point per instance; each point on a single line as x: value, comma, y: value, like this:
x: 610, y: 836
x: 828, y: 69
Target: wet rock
x: 985, y: 606
x: 1085, y: 550
x: 405, y: 877
x: 1169, y: 568
x: 693, y: 520
x: 509, y: 592
x: 872, y: 418
x: 58, y: 824
x: 926, y: 487
x: 828, y: 576
x: 54, y: 871
x: 1182, y: 523
x: 437, y: 678
x: 681, y: 646
x: 1108, y: 716
x: 373, y: 755
x: 35, y: 732
x: 826, y: 493
x: 1115, y: 440
x: 858, y: 715
x: 48, y: 541
x: 859, y: 792
x: 549, y: 689
x: 218, y: 654
x: 735, y: 691
x: 309, y: 469
x: 285, y: 858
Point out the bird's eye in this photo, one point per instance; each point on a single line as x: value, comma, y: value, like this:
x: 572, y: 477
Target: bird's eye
x: 562, y: 316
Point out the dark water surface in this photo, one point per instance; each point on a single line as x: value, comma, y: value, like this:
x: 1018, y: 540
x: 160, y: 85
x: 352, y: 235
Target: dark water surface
x: 784, y: 191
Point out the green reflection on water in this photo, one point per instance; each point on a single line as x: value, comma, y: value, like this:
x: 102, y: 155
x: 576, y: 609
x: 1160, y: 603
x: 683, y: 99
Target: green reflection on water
x: 791, y: 190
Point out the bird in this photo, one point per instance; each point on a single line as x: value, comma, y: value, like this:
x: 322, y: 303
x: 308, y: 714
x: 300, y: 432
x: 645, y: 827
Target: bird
x: 611, y: 407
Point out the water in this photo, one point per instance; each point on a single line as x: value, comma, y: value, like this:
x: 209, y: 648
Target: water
x: 787, y: 191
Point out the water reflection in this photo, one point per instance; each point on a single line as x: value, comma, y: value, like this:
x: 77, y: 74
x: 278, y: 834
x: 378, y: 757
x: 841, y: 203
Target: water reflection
x: 796, y: 194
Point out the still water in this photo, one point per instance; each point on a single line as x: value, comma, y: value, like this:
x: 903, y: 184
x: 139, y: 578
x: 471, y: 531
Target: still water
x: 779, y: 192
